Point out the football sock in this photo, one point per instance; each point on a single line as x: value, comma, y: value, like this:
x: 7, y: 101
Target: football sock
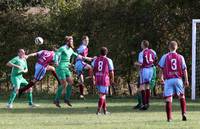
x: 59, y: 92
x: 12, y: 96
x: 30, y: 98
x: 81, y: 87
x: 183, y: 105
x: 143, y: 97
x: 147, y: 95
x: 68, y: 92
x: 169, y: 110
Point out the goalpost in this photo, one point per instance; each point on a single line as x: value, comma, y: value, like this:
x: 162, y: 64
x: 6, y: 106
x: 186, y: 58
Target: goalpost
x: 195, y: 58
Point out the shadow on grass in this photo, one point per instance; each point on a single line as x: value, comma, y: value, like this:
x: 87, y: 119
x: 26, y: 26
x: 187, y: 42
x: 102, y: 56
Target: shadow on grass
x: 114, y: 105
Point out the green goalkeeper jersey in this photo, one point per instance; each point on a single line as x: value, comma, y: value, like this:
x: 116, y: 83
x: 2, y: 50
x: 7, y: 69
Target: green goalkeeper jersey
x: 63, y: 56
x: 20, y: 62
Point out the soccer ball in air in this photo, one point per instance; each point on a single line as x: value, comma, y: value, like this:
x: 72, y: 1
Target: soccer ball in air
x: 39, y: 40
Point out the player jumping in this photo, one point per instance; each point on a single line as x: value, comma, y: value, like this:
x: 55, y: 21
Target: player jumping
x: 80, y: 65
x: 64, y: 55
x: 45, y: 58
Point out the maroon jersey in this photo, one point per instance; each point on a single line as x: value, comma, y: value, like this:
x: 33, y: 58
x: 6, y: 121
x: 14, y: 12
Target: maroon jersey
x: 149, y: 57
x: 85, y: 52
x: 102, y: 66
x: 45, y: 57
x: 173, y: 66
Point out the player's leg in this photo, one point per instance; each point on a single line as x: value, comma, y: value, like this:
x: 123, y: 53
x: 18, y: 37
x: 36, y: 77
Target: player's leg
x: 148, y: 75
x: 58, y: 95
x: 79, y: 71
x: 16, y: 84
x: 53, y: 71
x: 183, y: 106
x: 168, y: 93
x: 139, y: 96
x: 168, y: 108
x: 62, y: 76
x: 70, y: 82
x: 39, y: 74
x: 61, y: 88
x: 105, y: 111
x: 181, y: 94
x: 103, y: 90
x: 91, y: 78
x: 100, y: 103
x: 143, y: 94
x: 142, y: 89
x: 80, y: 66
x: 29, y: 92
x: 90, y: 70
x: 148, y: 93
x: 153, y: 81
x: 81, y: 85
x: 25, y: 88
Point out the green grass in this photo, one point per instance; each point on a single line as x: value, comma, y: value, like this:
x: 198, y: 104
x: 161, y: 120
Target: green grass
x: 82, y: 116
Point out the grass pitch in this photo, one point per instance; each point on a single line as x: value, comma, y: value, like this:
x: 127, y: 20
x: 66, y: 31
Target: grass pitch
x: 82, y: 115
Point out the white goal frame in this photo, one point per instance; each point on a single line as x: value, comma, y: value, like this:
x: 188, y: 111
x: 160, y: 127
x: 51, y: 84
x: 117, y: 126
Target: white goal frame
x: 193, y: 88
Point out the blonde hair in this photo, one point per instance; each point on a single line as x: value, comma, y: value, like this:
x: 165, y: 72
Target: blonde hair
x: 67, y: 38
x: 173, y: 45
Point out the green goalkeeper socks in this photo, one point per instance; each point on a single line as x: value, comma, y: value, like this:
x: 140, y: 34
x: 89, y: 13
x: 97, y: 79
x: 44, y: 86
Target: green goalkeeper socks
x: 30, y: 98
x: 139, y: 98
x: 59, y: 92
x: 68, y: 92
x: 12, y: 97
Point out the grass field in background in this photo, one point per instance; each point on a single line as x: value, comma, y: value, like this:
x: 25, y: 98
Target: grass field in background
x: 82, y: 115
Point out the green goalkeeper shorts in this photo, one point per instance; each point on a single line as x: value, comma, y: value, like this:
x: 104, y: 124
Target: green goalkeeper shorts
x: 63, y: 73
x: 18, y: 81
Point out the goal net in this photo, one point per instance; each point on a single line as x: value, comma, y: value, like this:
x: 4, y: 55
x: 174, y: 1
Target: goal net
x: 195, y: 59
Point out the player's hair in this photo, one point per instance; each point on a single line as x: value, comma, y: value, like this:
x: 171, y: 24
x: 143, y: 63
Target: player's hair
x: 145, y: 43
x: 103, y: 51
x: 84, y: 37
x: 21, y: 50
x: 173, y: 45
x: 67, y: 38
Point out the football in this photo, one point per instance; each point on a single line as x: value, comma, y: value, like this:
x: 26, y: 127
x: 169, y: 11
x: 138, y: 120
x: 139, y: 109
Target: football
x: 39, y: 40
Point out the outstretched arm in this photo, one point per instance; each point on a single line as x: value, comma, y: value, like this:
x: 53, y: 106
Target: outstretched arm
x: 88, y: 58
x: 32, y: 54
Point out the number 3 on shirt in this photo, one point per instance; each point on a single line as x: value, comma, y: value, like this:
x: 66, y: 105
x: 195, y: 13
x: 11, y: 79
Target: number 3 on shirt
x: 173, y: 64
x: 100, y: 66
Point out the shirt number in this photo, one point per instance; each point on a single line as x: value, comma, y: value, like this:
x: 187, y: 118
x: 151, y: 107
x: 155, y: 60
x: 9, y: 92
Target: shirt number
x: 173, y: 64
x: 46, y: 55
x: 100, y: 65
x: 150, y: 59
